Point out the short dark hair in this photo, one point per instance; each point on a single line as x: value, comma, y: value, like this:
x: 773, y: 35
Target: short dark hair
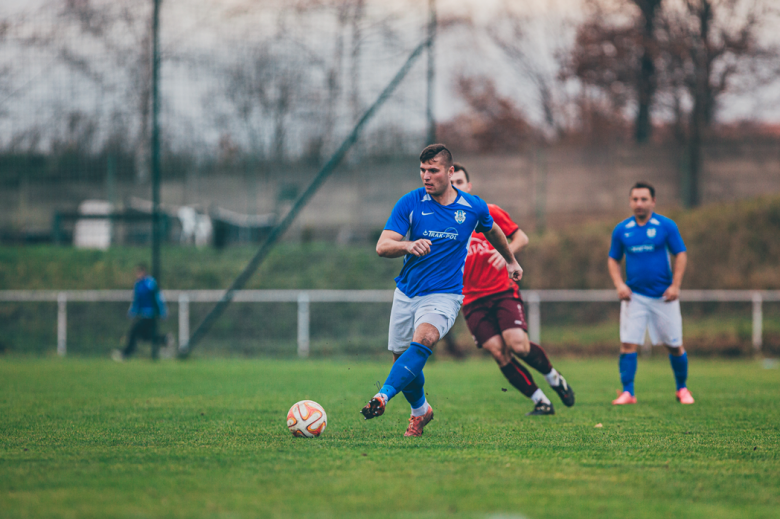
x: 459, y: 167
x: 433, y: 151
x: 643, y: 185
x: 141, y: 267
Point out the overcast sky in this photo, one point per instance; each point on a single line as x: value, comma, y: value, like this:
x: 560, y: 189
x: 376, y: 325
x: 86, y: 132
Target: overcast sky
x: 187, y: 23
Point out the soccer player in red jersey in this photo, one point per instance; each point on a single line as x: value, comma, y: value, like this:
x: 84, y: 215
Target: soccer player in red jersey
x: 494, y: 313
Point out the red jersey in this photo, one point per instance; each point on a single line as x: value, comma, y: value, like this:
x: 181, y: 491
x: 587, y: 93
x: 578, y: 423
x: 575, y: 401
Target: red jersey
x: 480, y: 278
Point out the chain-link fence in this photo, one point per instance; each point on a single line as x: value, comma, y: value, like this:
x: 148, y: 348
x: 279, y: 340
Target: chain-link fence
x: 254, y: 97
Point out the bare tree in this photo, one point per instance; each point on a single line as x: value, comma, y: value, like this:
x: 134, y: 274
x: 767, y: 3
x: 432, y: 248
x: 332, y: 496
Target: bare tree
x: 263, y: 90
x: 355, y: 103
x: 492, y: 123
x: 533, y: 56
x: 691, y: 55
x: 120, y: 30
x: 616, y: 51
x: 711, y: 48
x: 646, y: 78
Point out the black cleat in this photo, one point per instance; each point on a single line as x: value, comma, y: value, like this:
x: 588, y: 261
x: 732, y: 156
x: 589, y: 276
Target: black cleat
x: 541, y: 409
x: 374, y: 408
x: 565, y: 391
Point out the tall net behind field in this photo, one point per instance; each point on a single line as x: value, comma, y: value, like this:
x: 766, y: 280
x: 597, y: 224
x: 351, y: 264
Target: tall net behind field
x: 255, y: 96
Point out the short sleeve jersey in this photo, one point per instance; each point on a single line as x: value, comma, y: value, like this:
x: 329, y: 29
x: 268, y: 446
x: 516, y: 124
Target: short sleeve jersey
x: 647, y: 248
x: 480, y: 278
x: 148, y: 301
x: 418, y: 216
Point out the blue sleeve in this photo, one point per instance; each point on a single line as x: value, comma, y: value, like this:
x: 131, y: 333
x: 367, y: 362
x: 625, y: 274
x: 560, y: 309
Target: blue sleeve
x: 400, y: 220
x: 616, y: 249
x: 133, y: 311
x: 673, y: 238
x: 484, y: 220
x: 161, y: 309
x: 161, y: 306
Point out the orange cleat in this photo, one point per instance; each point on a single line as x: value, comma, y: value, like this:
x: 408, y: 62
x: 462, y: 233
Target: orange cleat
x: 374, y: 408
x: 624, y: 398
x: 416, y: 423
x: 684, y: 396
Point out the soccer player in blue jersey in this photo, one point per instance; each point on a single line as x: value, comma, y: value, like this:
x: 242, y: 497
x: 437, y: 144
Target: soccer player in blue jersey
x: 650, y: 295
x: 431, y: 228
x: 148, y: 305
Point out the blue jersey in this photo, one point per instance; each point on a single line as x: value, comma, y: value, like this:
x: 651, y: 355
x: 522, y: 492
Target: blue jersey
x: 148, y: 301
x: 418, y: 216
x: 647, y: 248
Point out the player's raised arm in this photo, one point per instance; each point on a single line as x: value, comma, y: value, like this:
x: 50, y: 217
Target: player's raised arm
x: 391, y: 245
x: 497, y: 239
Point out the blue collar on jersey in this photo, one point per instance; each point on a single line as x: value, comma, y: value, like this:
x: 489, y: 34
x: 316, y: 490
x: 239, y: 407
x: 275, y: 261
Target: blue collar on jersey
x: 458, y: 197
x: 652, y: 220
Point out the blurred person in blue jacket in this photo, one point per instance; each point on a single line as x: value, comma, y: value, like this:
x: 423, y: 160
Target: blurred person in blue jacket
x: 148, y: 305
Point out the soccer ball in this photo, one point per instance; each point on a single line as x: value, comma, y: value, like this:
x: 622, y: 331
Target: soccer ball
x: 306, y: 419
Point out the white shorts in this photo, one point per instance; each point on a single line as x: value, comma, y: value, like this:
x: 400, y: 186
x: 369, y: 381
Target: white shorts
x: 662, y: 319
x: 439, y: 310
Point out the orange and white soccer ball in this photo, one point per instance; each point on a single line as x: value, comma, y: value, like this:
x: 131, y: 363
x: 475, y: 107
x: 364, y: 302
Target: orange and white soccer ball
x: 307, y: 419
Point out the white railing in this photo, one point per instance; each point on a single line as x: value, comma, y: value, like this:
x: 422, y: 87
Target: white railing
x: 304, y: 298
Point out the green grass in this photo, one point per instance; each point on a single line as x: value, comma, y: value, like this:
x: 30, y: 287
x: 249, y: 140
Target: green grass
x: 89, y: 438
x: 289, y: 265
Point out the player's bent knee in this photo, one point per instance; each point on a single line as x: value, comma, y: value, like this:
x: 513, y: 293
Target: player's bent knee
x: 626, y: 347
x: 517, y: 340
x: 426, y: 334
x: 675, y: 351
x: 497, y: 348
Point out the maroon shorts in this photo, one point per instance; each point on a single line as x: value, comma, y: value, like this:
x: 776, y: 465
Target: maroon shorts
x: 489, y: 316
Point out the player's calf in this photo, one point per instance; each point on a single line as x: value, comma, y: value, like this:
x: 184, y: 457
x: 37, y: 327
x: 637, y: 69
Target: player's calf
x: 537, y: 358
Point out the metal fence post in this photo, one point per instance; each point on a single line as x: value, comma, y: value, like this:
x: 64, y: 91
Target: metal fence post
x: 62, y: 324
x: 184, y: 320
x: 534, y: 317
x: 303, y: 324
x: 758, y: 322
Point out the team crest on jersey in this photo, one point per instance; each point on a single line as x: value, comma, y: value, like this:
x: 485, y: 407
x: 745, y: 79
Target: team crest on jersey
x: 460, y: 216
x: 651, y: 232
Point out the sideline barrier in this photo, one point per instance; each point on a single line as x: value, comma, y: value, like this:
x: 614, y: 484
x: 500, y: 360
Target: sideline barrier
x: 533, y: 300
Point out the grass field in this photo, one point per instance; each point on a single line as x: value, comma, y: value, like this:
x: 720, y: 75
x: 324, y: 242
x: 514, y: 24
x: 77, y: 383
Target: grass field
x: 89, y: 438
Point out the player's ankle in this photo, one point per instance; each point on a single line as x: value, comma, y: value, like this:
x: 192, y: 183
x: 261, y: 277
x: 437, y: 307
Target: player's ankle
x: 553, y: 378
x: 540, y: 397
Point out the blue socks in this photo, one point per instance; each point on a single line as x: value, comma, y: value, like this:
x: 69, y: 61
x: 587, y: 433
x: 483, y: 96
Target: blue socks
x: 407, y: 368
x: 628, y: 371
x: 680, y: 368
x: 414, y: 392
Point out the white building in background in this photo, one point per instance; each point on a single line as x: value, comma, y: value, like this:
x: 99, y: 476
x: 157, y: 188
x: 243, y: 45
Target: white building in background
x: 93, y: 233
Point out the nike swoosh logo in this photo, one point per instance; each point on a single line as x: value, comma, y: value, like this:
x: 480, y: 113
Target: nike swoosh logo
x: 426, y: 214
